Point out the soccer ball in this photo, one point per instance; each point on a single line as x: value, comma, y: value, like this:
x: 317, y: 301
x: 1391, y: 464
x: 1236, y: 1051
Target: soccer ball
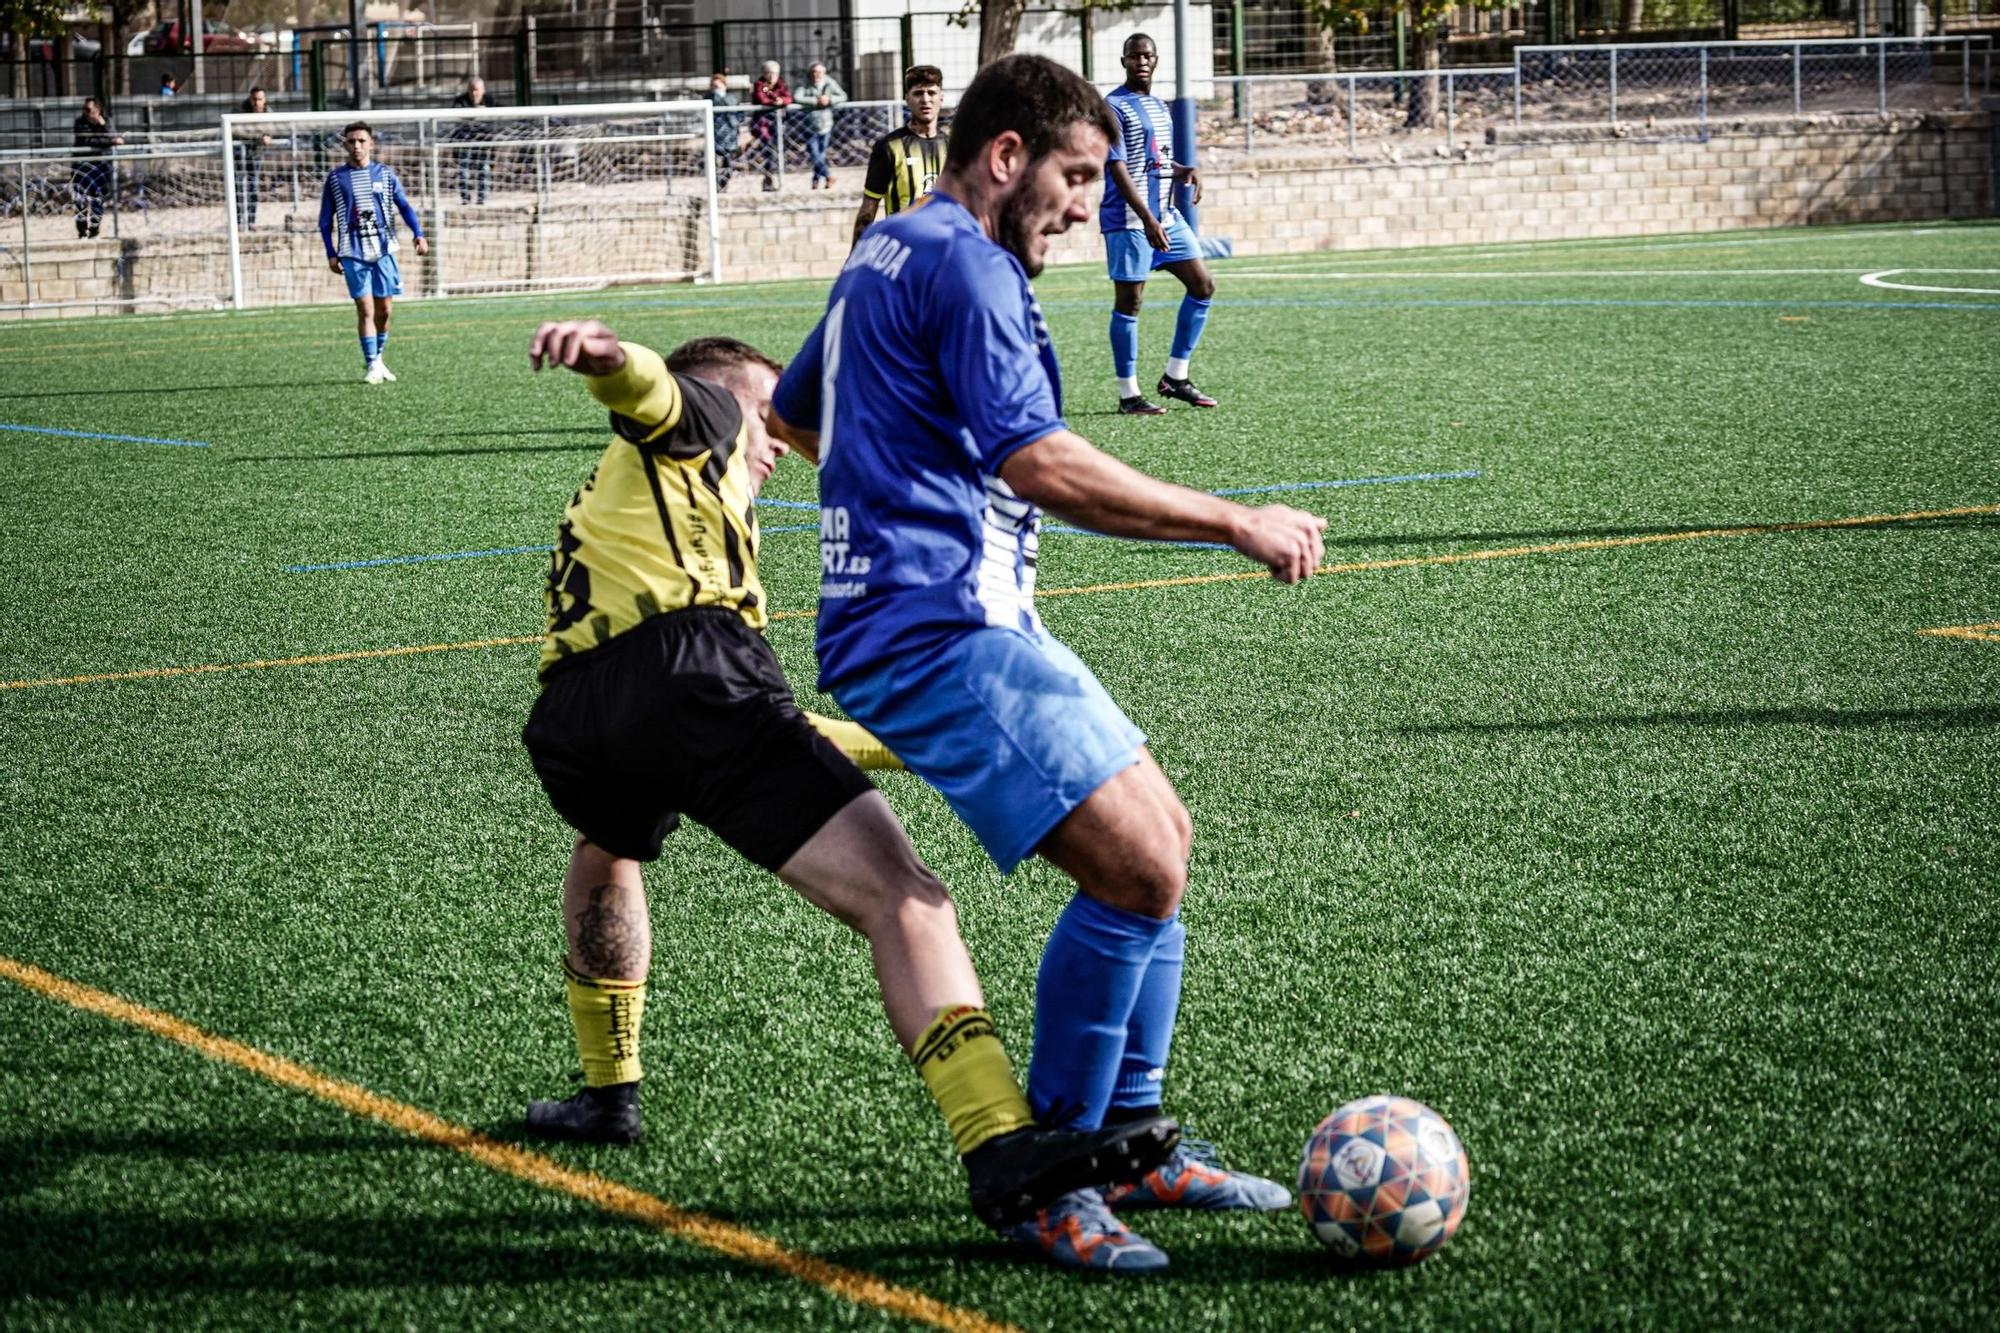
x: 1384, y: 1181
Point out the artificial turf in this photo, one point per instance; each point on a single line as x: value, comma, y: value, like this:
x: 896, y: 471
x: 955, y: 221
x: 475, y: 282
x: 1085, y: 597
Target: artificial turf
x: 1667, y: 871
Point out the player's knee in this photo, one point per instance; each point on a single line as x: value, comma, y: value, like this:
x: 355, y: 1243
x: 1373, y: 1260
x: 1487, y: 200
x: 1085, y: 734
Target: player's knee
x: 1201, y: 287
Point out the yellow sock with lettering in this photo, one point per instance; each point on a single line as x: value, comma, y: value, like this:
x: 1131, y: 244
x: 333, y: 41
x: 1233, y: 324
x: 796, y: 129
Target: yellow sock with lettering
x: 965, y: 1067
x: 606, y: 1016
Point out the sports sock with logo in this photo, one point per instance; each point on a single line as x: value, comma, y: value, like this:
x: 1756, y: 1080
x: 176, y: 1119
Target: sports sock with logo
x: 965, y: 1067
x: 606, y: 1014
x: 1092, y: 971
x: 1149, y: 1033
x: 1187, y: 334
x: 369, y: 349
x: 1124, y: 344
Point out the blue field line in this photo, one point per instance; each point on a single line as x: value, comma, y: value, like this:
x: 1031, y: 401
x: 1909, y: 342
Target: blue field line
x: 542, y: 548
x: 1574, y: 302
x: 93, y: 435
x: 382, y: 561
x: 1350, y: 481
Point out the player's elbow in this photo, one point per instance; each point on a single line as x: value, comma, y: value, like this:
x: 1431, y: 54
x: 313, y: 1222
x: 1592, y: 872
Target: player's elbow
x: 1044, y: 473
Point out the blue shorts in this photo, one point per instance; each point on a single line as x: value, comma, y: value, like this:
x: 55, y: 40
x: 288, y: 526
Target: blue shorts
x: 1131, y: 259
x: 378, y: 277
x: 1009, y: 727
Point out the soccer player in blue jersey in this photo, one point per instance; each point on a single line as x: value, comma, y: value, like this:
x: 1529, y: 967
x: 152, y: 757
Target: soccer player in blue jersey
x: 929, y: 396
x: 359, y: 231
x: 1144, y: 231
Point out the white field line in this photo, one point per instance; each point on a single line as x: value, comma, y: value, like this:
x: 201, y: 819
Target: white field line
x: 1880, y: 278
x: 1725, y: 242
x: 1331, y: 274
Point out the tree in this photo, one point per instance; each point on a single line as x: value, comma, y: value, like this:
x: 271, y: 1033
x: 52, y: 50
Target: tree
x: 1425, y: 19
x: 22, y: 19
x: 1000, y: 21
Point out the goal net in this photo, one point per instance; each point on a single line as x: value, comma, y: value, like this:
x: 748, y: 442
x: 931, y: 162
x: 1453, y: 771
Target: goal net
x: 511, y: 199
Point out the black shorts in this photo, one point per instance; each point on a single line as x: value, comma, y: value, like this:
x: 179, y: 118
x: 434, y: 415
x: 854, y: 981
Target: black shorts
x: 688, y: 713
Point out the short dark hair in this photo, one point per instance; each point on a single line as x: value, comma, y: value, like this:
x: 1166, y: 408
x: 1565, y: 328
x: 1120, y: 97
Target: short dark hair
x: 1030, y: 95
x: 1135, y: 38
x: 697, y: 354
x: 922, y: 76
x: 361, y: 125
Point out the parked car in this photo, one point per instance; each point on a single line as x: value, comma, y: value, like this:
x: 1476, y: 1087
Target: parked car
x: 171, y: 39
x: 44, y: 48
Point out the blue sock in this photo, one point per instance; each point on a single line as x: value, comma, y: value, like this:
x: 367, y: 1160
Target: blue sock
x: 368, y: 348
x: 1150, y: 1032
x: 381, y: 342
x: 1187, y: 327
x: 1092, y: 971
x: 1124, y: 345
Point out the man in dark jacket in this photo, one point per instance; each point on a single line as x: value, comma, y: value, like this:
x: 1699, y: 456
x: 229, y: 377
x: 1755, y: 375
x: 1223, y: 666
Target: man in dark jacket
x: 90, y: 181
x: 473, y: 163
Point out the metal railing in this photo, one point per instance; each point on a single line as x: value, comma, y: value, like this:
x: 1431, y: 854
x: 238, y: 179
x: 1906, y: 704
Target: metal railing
x: 1566, y: 92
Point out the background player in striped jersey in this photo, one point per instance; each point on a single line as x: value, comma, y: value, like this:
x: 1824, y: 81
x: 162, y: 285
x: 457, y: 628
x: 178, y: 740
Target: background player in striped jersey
x: 1144, y: 231
x: 359, y: 230
x: 660, y: 697
x: 905, y: 162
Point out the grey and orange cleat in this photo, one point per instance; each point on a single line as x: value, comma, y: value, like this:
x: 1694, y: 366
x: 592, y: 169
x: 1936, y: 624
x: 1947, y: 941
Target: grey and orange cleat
x: 1015, y: 1175
x: 1079, y: 1231
x: 1193, y: 1179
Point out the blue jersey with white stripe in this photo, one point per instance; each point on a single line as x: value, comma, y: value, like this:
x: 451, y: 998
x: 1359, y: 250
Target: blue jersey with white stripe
x: 357, y: 212
x: 931, y: 367
x: 1145, y: 144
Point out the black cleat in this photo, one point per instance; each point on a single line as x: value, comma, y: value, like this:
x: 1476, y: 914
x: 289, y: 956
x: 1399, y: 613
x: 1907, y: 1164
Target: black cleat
x: 594, y: 1115
x: 1137, y: 406
x: 1016, y: 1175
x: 1183, y: 390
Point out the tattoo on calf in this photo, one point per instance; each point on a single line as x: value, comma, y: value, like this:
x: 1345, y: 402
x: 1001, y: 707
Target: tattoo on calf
x: 611, y: 943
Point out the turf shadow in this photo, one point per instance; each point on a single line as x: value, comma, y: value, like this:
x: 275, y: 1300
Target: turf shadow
x: 1976, y: 715
x: 64, y: 1254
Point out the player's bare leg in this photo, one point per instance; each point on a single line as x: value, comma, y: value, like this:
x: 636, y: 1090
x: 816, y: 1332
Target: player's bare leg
x: 1199, y: 289
x: 610, y: 952
x: 861, y: 868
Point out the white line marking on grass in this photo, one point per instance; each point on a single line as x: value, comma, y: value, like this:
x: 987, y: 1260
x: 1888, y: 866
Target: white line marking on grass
x: 1880, y: 278
x: 1565, y: 273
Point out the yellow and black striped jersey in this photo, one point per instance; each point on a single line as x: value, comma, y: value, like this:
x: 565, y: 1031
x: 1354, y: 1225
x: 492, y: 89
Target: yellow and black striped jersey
x: 903, y: 168
x: 666, y: 521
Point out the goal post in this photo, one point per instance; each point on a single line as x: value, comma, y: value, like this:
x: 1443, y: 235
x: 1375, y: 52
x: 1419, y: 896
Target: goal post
x: 512, y: 199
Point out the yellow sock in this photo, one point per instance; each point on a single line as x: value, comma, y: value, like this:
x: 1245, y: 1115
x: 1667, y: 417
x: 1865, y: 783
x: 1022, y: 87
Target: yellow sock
x: 606, y: 1016
x: 966, y: 1069
x: 855, y: 741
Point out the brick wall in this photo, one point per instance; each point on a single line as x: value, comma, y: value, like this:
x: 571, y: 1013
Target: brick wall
x: 1775, y: 174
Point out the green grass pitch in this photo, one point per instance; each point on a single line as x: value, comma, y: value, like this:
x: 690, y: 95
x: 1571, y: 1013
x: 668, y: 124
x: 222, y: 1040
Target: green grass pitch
x: 1665, y: 870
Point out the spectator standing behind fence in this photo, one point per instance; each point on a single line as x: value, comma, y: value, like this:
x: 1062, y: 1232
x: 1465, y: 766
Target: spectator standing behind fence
x: 769, y: 91
x: 90, y: 181
x: 726, y: 128
x: 475, y: 165
x: 251, y: 141
x: 905, y: 162
x: 822, y: 93
x: 169, y: 85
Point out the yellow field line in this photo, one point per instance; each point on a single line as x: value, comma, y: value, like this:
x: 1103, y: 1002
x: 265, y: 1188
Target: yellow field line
x: 1989, y: 631
x: 1135, y: 585
x: 725, y: 1238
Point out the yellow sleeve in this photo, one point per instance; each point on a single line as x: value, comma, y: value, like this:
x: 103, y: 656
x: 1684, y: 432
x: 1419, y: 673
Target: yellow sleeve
x: 855, y: 741
x: 642, y: 390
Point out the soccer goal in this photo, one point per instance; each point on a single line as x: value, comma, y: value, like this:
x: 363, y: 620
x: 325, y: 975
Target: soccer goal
x: 511, y: 198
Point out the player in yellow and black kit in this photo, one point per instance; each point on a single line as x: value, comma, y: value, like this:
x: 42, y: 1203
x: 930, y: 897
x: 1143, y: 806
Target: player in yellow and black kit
x: 904, y: 164
x: 660, y: 697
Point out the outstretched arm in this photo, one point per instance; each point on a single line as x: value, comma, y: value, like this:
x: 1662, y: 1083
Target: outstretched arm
x: 1066, y: 475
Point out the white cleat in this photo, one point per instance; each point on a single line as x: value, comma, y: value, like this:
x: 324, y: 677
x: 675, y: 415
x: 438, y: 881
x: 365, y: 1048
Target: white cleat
x: 377, y: 373
x: 387, y: 373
